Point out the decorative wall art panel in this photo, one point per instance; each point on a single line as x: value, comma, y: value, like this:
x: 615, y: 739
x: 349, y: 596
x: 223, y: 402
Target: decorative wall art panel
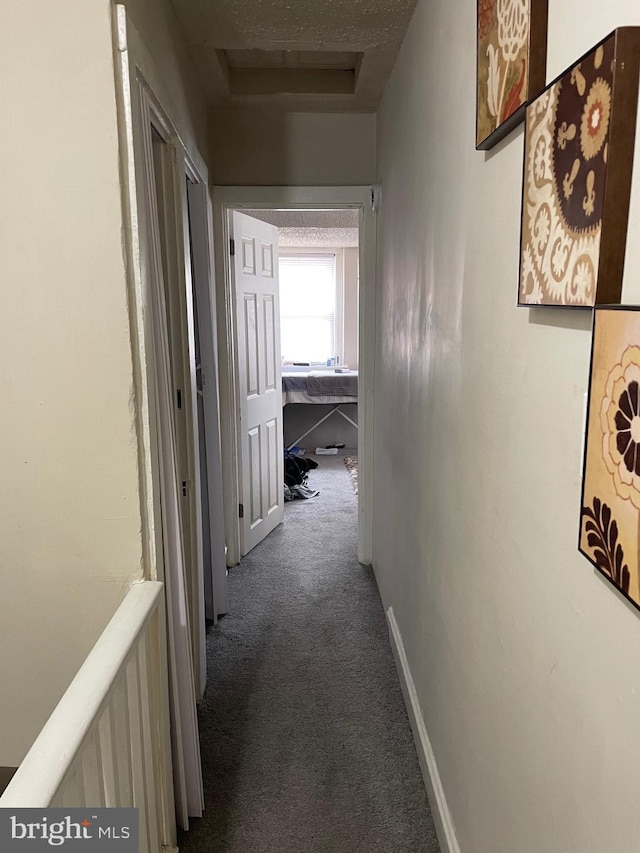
x: 610, y: 519
x: 511, y: 67
x: 578, y: 159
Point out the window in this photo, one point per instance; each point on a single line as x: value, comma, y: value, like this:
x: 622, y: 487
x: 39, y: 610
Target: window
x: 308, y: 307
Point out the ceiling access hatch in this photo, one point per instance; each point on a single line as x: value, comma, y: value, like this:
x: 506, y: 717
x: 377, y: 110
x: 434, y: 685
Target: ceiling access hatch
x: 275, y: 72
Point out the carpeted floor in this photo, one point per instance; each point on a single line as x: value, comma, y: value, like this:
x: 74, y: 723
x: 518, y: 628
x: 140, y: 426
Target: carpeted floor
x: 306, y: 744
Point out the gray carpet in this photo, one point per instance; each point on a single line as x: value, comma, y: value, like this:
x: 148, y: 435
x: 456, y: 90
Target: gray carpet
x: 306, y: 744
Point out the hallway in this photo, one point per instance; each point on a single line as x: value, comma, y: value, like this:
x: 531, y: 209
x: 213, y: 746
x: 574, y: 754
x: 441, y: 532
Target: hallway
x: 305, y: 741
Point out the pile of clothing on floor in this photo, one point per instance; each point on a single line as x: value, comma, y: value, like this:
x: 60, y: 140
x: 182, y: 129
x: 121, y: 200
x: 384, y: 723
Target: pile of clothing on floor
x: 296, y: 475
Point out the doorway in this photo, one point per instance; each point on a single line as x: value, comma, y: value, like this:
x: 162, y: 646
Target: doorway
x: 295, y: 199
x: 167, y: 215
x: 318, y: 284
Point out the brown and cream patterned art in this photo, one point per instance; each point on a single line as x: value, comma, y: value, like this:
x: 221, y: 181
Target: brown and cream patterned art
x: 578, y: 158
x: 610, y: 520
x: 511, y: 64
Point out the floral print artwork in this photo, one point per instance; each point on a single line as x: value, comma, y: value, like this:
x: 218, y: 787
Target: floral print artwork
x: 601, y: 531
x: 566, y: 156
x: 620, y: 421
x: 610, y: 521
x: 504, y: 36
x: 578, y: 163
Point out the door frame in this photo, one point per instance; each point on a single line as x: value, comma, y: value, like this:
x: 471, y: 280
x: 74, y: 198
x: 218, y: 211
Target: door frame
x: 170, y: 337
x: 226, y: 200
x: 141, y: 95
x: 180, y: 325
x: 198, y: 211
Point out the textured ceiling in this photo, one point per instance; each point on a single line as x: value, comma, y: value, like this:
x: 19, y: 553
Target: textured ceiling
x: 307, y: 218
x: 312, y: 228
x: 218, y: 33
x: 304, y: 238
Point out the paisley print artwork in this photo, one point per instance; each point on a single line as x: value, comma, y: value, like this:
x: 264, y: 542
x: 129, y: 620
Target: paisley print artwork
x: 571, y: 159
x: 610, y: 519
x: 511, y: 63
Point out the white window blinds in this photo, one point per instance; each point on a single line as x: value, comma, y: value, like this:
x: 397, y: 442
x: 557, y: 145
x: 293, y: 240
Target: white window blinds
x: 308, y: 307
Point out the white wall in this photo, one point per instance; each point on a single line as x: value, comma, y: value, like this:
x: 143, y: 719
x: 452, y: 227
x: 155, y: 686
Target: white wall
x: 526, y: 662
x: 69, y: 506
x: 69, y: 509
x: 173, y: 76
x: 268, y: 148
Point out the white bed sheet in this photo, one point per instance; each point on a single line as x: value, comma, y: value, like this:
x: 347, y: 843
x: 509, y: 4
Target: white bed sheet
x: 305, y: 397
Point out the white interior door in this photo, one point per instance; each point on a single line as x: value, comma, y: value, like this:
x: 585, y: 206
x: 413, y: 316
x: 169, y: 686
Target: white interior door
x: 159, y: 247
x: 215, y: 576
x: 261, y: 475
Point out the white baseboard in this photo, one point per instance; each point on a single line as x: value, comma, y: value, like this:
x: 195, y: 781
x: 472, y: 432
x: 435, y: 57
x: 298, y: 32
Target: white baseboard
x: 435, y: 791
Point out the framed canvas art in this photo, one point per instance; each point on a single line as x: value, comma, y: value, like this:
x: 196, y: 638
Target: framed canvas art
x: 511, y: 64
x: 610, y: 517
x: 578, y: 159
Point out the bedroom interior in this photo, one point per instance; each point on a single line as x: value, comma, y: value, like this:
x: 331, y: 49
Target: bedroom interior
x: 319, y: 399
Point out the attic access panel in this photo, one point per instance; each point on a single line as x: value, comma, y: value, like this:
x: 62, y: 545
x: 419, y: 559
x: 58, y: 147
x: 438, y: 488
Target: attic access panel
x: 273, y: 72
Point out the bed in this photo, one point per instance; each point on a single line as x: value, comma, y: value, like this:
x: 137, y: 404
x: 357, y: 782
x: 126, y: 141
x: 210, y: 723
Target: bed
x: 320, y: 387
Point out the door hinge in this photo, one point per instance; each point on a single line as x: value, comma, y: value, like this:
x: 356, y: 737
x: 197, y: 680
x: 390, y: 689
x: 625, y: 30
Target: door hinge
x: 232, y: 246
x: 179, y: 397
x: 240, y: 510
x: 184, y: 488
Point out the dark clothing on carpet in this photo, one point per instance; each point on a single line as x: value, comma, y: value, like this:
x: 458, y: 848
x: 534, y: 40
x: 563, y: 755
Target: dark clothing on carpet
x: 306, y: 744
x: 296, y: 469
